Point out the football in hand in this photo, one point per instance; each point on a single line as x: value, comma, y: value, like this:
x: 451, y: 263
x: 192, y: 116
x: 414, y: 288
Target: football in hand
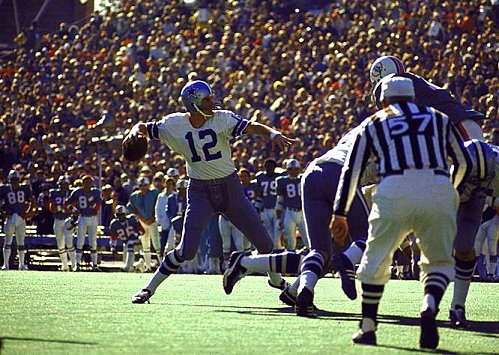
x: 134, y: 151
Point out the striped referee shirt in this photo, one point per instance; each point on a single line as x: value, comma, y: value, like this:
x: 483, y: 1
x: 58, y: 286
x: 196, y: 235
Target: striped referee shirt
x: 400, y: 137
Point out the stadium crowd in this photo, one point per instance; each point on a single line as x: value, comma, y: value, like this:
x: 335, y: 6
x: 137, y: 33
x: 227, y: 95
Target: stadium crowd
x: 299, y: 66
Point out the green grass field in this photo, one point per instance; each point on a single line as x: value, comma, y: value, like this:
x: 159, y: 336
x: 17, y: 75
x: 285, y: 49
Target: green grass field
x: 67, y: 313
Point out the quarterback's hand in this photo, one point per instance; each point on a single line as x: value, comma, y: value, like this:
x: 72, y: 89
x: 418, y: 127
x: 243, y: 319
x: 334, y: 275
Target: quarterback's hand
x: 339, y: 229
x: 282, y: 142
x: 137, y: 132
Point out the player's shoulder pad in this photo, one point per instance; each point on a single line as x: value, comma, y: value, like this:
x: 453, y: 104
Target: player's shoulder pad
x: 281, y: 177
x: 259, y: 174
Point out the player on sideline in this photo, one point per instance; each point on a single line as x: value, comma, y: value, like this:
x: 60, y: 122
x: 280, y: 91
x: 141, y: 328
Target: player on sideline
x: 201, y: 135
x: 289, y: 213
x: 63, y: 236
x: 428, y: 94
x: 410, y: 145
x: 483, y: 181
x: 86, y: 202
x: 17, y: 202
x: 267, y: 192
x: 128, y: 230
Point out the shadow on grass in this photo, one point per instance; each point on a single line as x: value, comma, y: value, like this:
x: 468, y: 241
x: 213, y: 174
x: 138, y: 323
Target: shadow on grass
x: 2, y: 339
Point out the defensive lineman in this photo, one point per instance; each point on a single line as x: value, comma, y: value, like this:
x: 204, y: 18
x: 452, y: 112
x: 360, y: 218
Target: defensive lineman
x: 63, y: 236
x: 17, y: 203
x: 411, y: 145
x: 427, y: 94
x: 86, y: 202
x: 202, y: 136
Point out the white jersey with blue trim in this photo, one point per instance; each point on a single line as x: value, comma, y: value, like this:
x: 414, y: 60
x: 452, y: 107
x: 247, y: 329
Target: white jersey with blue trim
x: 338, y: 154
x: 206, y: 149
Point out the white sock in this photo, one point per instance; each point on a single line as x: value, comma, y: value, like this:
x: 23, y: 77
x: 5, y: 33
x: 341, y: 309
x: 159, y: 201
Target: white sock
x: 6, y: 257
x: 461, y: 289
x: 354, y: 254
x: 308, y: 279
x: 256, y: 263
x: 428, y: 303
x: 275, y: 278
x: 367, y: 325
x: 72, y: 257
x: 64, y: 259
x: 293, y: 289
x: 21, y: 254
x: 93, y: 258
x: 147, y: 259
x: 130, y: 258
x: 155, y: 281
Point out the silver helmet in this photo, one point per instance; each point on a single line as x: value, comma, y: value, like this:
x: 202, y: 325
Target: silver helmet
x: 193, y: 93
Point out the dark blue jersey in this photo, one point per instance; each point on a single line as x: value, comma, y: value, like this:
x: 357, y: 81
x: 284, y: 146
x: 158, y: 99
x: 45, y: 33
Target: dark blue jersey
x: 58, y: 198
x: 250, y: 191
x: 267, y: 186
x: 16, y: 200
x: 428, y: 94
x: 126, y: 230
x: 85, y: 202
x: 289, y: 189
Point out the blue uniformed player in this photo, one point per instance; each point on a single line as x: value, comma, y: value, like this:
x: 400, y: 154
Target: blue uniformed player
x: 17, y: 203
x: 86, y: 202
x: 63, y: 236
x: 127, y: 229
x: 484, y: 181
x: 267, y: 191
x: 289, y: 212
x: 201, y: 135
x: 428, y: 94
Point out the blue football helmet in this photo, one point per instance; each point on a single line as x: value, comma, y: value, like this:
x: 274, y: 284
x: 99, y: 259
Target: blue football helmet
x: 193, y: 93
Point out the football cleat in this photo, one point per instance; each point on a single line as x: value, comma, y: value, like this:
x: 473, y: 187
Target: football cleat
x: 96, y: 269
x: 65, y: 269
x: 347, y: 274
x: 429, y: 335
x: 142, y: 296
x: 77, y: 267
x: 23, y: 268
x: 288, y: 298
x: 234, y: 273
x: 305, y: 304
x: 283, y: 285
x: 364, y: 338
x: 457, y: 317
x: 5, y: 268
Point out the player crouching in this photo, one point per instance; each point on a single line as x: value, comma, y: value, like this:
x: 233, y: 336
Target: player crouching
x: 128, y: 230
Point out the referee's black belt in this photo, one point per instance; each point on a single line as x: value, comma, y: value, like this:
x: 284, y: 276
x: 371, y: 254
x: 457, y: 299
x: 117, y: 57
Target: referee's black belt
x: 294, y: 209
x: 401, y: 172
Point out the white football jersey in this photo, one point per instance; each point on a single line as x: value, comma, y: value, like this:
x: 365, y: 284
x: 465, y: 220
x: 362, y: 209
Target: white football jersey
x: 339, y: 153
x: 206, y: 149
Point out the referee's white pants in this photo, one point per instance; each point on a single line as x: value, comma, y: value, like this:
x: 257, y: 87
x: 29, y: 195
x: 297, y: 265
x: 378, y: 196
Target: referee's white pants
x: 418, y: 201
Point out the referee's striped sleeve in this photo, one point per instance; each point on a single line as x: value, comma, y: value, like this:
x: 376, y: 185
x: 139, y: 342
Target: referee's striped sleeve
x: 351, y: 172
x: 152, y: 130
x: 461, y: 159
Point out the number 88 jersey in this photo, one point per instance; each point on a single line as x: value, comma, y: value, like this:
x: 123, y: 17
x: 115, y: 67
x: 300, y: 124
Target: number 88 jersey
x: 15, y: 200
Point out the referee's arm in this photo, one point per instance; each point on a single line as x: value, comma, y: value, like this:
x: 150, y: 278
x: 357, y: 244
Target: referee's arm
x: 351, y: 172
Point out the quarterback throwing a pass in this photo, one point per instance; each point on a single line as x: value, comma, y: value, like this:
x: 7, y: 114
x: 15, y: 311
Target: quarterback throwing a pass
x: 202, y: 136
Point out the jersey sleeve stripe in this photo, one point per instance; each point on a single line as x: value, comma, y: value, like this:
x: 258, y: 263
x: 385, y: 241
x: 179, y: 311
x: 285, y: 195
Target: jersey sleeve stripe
x: 242, y: 126
x: 152, y: 130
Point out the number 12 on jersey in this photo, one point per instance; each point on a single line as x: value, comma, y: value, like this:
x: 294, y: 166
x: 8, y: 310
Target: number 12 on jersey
x: 211, y: 141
